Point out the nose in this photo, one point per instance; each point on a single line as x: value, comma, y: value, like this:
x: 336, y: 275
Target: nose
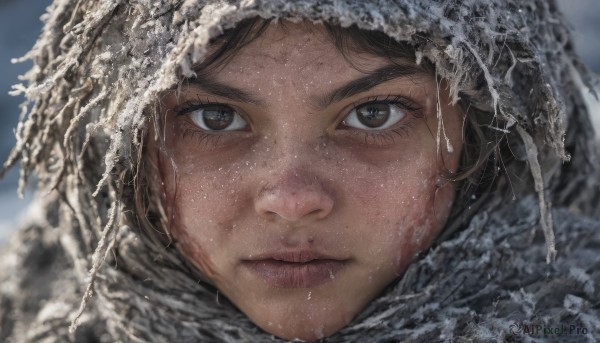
x: 294, y: 197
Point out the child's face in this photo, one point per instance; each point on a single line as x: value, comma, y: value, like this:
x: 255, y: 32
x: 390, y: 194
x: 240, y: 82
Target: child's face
x: 298, y: 191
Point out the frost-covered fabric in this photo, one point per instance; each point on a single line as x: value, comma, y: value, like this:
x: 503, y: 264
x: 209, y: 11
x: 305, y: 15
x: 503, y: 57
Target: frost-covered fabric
x: 100, y: 65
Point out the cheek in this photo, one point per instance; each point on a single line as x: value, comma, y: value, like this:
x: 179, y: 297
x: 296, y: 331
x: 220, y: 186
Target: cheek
x: 194, y: 251
x: 201, y: 193
x: 401, y: 212
x: 190, y: 237
x: 201, y: 207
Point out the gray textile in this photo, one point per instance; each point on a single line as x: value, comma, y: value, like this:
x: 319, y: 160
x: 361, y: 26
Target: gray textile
x: 100, y: 64
x: 469, y: 289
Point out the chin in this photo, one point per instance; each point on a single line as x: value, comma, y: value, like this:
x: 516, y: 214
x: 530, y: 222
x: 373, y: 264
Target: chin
x: 306, y: 315
x: 305, y: 329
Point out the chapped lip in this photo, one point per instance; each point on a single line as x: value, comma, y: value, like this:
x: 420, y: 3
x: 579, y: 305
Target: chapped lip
x: 295, y: 269
x: 294, y: 256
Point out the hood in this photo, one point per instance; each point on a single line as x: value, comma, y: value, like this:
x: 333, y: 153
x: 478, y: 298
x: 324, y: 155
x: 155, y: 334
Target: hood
x: 99, y: 66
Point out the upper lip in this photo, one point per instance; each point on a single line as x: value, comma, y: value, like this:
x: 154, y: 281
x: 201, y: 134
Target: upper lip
x: 298, y: 256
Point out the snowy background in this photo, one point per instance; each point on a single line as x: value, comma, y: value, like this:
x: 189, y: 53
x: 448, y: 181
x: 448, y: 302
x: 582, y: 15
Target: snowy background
x: 20, y: 25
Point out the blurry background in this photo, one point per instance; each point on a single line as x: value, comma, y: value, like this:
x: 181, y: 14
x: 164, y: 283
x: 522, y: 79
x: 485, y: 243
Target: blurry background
x: 20, y: 25
x: 19, y: 28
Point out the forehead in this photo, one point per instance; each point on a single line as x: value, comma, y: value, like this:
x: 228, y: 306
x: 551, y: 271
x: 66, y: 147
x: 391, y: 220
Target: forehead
x: 296, y: 49
x: 292, y: 43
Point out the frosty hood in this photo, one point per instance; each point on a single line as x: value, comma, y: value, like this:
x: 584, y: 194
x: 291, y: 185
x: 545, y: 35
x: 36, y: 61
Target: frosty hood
x: 99, y: 65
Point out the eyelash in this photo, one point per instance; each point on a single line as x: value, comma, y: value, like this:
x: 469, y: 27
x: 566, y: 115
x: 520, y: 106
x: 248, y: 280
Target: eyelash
x: 386, y: 137
x: 190, y: 106
x: 202, y: 137
x: 370, y: 138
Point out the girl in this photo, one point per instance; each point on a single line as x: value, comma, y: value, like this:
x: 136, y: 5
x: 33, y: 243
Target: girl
x: 338, y: 170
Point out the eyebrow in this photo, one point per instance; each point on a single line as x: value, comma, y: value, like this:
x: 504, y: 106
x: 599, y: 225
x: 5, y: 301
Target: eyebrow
x: 360, y: 85
x: 365, y: 83
x: 225, y: 91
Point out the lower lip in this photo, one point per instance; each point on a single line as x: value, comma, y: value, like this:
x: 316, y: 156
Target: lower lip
x: 281, y: 274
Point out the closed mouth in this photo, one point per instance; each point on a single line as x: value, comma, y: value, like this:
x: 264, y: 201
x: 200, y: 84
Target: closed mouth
x: 285, y: 274
x: 295, y: 269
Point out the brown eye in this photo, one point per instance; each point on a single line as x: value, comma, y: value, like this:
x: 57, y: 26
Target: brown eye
x: 374, y: 116
x: 218, y: 118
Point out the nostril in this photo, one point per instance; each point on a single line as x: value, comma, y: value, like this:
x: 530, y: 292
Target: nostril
x: 270, y: 215
x: 294, y: 205
x: 315, y: 212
